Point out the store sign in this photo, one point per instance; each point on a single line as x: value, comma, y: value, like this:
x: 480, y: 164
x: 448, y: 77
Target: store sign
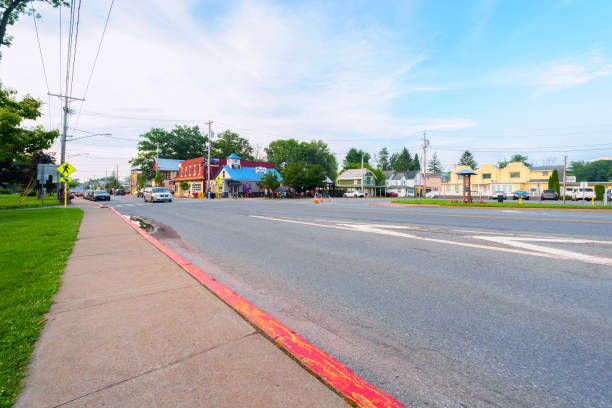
x: 260, y: 170
x: 570, y: 179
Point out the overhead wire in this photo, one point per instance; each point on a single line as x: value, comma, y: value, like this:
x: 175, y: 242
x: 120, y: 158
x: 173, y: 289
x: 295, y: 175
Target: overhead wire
x: 76, y: 42
x: 42, y: 60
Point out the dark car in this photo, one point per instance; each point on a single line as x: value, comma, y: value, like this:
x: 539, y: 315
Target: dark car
x: 549, y: 195
x: 120, y: 192
x: 521, y: 194
x: 100, y: 195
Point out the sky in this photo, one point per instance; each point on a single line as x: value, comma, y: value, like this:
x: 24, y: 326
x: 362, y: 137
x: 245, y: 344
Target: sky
x: 493, y: 77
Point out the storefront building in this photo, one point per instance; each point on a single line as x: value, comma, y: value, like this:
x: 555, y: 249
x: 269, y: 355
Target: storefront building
x: 241, y: 178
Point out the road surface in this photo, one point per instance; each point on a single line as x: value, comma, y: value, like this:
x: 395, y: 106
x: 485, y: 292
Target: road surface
x: 436, y: 306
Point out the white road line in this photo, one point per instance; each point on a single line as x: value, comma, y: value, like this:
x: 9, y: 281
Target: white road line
x: 365, y: 228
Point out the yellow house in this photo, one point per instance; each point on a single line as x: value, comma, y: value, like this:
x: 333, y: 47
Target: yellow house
x: 515, y: 176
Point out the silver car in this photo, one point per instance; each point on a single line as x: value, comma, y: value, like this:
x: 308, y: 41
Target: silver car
x: 154, y: 194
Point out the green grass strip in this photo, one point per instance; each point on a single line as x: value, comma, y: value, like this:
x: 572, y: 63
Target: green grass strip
x: 34, y: 248
x: 526, y: 204
x: 11, y: 201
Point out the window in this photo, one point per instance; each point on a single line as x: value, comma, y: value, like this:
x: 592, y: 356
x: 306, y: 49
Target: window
x: 515, y: 174
x: 544, y: 174
x: 486, y: 176
x: 456, y: 188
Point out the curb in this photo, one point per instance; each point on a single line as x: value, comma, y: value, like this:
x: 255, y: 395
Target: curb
x: 335, y: 374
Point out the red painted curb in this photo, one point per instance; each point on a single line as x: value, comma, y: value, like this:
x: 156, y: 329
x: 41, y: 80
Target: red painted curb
x: 339, y: 376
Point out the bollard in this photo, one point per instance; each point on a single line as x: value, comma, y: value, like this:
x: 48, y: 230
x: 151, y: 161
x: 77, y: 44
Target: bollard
x: 593, y: 200
x: 520, y: 200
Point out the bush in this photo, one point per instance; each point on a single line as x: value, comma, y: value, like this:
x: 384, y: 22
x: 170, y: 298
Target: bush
x: 5, y: 191
x: 599, y: 192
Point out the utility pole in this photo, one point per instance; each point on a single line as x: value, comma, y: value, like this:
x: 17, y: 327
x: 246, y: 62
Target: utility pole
x: 564, y: 177
x: 65, y: 125
x: 209, y: 123
x: 424, y: 164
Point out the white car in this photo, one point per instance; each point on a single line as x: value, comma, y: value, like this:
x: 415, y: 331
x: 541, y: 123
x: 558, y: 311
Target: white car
x: 583, y: 194
x: 354, y: 193
x: 432, y: 194
x: 154, y: 194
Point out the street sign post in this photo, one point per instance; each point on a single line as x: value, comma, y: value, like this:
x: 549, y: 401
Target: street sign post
x: 66, y: 169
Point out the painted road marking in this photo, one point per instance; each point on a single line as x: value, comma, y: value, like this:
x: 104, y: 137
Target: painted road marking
x: 462, y: 215
x: 532, y: 250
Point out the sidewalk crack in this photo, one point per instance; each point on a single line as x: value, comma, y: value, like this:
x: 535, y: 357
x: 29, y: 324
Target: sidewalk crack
x: 106, y: 387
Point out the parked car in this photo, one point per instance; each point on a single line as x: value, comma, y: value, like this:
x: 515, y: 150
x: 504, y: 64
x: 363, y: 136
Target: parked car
x: 433, y: 194
x: 354, y: 193
x: 120, y: 191
x: 390, y: 194
x: 583, y: 194
x: 521, y: 194
x: 498, y: 193
x: 100, y: 195
x: 549, y: 195
x: 154, y: 194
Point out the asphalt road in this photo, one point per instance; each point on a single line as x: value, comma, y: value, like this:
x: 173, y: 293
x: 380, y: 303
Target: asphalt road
x: 436, y: 306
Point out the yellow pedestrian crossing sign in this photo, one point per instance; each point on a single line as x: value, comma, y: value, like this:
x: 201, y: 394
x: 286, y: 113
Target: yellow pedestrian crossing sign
x: 65, y: 179
x: 66, y: 169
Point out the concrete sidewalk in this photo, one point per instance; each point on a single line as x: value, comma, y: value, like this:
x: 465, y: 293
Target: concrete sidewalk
x: 130, y: 328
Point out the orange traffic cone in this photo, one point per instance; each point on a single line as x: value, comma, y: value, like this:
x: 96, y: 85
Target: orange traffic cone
x: 316, y: 200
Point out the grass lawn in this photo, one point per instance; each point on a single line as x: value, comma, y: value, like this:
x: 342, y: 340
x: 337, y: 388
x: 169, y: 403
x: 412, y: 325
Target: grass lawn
x: 526, y: 204
x: 9, y: 201
x: 34, y: 248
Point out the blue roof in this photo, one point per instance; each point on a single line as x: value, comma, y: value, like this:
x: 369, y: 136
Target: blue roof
x: 168, y: 164
x: 466, y: 172
x: 233, y: 156
x: 247, y: 173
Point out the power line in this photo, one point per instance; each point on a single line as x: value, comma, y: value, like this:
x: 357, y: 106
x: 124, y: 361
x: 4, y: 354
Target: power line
x: 42, y: 60
x: 76, y: 42
x: 93, y: 67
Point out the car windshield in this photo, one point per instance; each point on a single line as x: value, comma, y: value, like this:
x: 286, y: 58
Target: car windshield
x: 549, y: 191
x: 100, y: 192
x: 160, y: 190
x: 586, y: 189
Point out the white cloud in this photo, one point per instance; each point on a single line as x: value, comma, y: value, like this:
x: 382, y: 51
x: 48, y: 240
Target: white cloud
x: 563, y: 75
x: 268, y: 70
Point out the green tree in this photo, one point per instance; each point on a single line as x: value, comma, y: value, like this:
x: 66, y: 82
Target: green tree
x: 184, y: 185
x: 383, y: 159
x: 229, y: 142
x: 354, y: 156
x: 142, y: 181
x: 403, y: 161
x: 416, y: 163
x: 285, y: 151
x: 519, y: 158
x: 302, y: 176
x: 600, y: 170
x: 600, y: 190
x: 159, y: 179
x: 435, y: 166
x: 270, y: 181
x: 467, y: 159
x: 553, y: 181
x: 12, y: 9
x: 181, y: 143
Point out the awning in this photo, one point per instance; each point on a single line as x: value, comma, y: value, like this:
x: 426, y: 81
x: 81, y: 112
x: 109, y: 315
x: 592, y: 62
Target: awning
x: 233, y: 183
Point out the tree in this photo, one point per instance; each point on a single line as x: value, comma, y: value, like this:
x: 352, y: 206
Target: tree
x: 600, y: 170
x: 229, y: 142
x: 435, y: 166
x: 467, y: 159
x: 184, y: 185
x: 416, y: 163
x: 302, y: 176
x: 159, y: 179
x: 383, y: 159
x: 12, y: 9
x: 403, y: 161
x: 600, y: 190
x: 285, y: 151
x: 354, y: 156
x: 270, y: 181
x: 518, y: 158
x: 181, y: 143
x: 553, y: 181
x: 142, y: 181
x: 22, y: 172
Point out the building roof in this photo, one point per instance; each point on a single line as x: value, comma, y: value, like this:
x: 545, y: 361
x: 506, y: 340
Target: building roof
x: 247, y: 173
x: 233, y: 156
x: 352, y: 174
x: 167, y: 164
x: 544, y: 168
x: 409, y: 175
x: 388, y: 173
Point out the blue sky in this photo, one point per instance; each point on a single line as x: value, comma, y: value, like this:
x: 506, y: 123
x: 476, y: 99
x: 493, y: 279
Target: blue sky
x: 495, y: 77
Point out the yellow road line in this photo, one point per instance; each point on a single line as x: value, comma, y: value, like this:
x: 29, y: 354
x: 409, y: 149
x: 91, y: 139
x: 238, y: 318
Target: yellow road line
x: 459, y: 215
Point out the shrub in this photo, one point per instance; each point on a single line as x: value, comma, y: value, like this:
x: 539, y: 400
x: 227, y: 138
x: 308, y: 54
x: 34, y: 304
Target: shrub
x: 599, y: 192
x: 5, y: 191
